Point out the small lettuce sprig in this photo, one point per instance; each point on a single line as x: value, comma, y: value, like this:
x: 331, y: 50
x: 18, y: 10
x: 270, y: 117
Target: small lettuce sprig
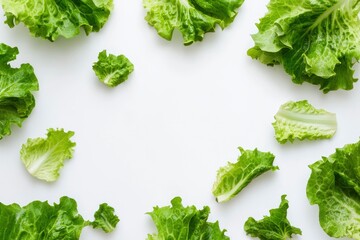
x: 273, y: 227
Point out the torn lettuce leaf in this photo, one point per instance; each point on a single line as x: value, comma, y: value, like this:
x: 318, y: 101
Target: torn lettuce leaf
x: 105, y: 218
x: 186, y: 223
x: 44, y: 157
x: 300, y: 120
x: 193, y: 18
x: 16, y: 90
x: 273, y: 227
x: 315, y: 41
x: 234, y: 177
x: 50, y: 19
x: 334, y: 185
x: 112, y: 70
x: 40, y: 220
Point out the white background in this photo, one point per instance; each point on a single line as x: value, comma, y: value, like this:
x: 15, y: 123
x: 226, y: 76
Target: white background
x: 165, y: 132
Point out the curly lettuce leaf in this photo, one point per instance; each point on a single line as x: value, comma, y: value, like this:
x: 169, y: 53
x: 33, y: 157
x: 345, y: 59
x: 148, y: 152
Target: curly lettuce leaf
x: 40, y: 220
x: 105, y: 218
x: 50, y: 19
x: 234, y: 177
x: 112, y: 70
x: 300, y: 120
x: 193, y: 18
x: 273, y: 227
x: 334, y: 185
x: 186, y: 223
x: 44, y: 157
x: 16, y: 90
x: 316, y: 41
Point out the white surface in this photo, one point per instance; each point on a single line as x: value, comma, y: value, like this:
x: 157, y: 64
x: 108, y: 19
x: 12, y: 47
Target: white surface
x: 165, y: 132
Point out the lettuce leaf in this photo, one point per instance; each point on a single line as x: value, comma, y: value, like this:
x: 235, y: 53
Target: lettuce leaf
x: 44, y: 157
x: 39, y: 220
x: 193, y: 18
x: 50, y: 19
x: 300, y: 120
x: 273, y: 227
x: 334, y: 185
x: 185, y: 223
x: 316, y: 41
x: 234, y: 177
x: 16, y: 87
x: 112, y: 70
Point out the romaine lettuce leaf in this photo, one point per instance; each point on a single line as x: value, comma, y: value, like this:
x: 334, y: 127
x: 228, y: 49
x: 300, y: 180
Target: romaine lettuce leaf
x: 50, y: 19
x: 334, y: 185
x: 16, y: 87
x: 273, y: 227
x: 44, y: 157
x: 193, y: 18
x: 316, y: 41
x: 112, y: 70
x: 300, y: 120
x: 39, y: 220
x: 234, y: 177
x: 185, y: 223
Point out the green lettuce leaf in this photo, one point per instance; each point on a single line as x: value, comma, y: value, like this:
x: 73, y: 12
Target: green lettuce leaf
x: 315, y: 40
x: 273, y: 227
x: 50, y: 19
x: 105, y: 218
x: 16, y: 87
x: 44, y: 157
x: 300, y: 120
x: 185, y: 223
x: 234, y: 177
x: 112, y: 70
x: 334, y: 185
x: 193, y: 18
x: 39, y: 220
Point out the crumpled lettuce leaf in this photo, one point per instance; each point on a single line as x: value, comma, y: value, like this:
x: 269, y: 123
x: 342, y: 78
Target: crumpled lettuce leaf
x: 40, y: 220
x: 105, y: 218
x: 300, y: 120
x: 316, y: 41
x: 234, y: 177
x: 44, y: 157
x: 193, y: 18
x: 273, y: 227
x: 16, y: 87
x: 334, y: 185
x: 185, y: 223
x: 112, y: 70
x: 50, y: 19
